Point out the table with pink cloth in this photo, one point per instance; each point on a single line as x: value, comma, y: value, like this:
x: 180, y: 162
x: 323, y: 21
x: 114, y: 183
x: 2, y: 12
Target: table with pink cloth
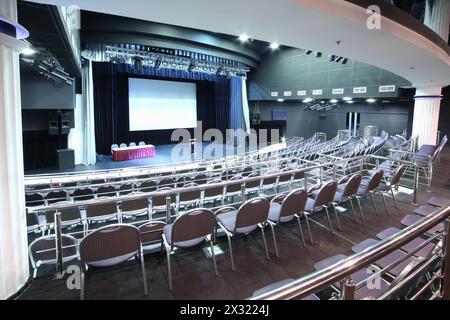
x: 137, y: 152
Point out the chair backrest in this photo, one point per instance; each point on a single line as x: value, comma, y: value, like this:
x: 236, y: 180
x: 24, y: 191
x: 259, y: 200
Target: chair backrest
x: 190, y: 195
x: 106, y: 191
x: 235, y: 186
x: 166, y: 183
x: 215, y: 191
x: 352, y: 185
x: 134, y: 205
x: 269, y: 181
x: 123, y: 145
x: 114, y: 146
x: 201, y: 178
x: 294, y: 203
x: 83, y: 194
x: 247, y: 171
x: 252, y: 213
x: 44, y: 249
x: 141, y: 143
x: 34, y: 199
x: 398, y: 175
x: 151, y: 232
x: 148, y: 186
x: 299, y: 175
x: 67, y: 214
x: 253, y: 184
x: 375, y: 180
x: 132, y: 144
x: 227, y: 175
x: 101, y: 209
x: 160, y: 201
x: 284, y: 177
x: 32, y: 219
x: 110, y: 245
x: 326, y: 194
x: 126, y: 188
x: 56, y: 196
x: 195, y: 224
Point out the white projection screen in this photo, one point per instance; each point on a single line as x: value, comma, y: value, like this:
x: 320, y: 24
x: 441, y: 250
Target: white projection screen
x: 160, y: 104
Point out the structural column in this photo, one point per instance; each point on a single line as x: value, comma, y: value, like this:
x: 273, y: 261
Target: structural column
x: 14, y: 268
x: 426, y: 114
x: 428, y: 100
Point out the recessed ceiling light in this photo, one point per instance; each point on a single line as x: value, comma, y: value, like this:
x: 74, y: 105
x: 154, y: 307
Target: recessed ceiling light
x: 274, y: 45
x: 371, y: 100
x: 333, y: 100
x: 346, y: 98
x: 243, y: 37
x: 28, y: 51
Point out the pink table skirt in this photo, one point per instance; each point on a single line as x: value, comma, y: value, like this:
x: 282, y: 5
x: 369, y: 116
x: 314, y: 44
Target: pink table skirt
x: 138, y: 152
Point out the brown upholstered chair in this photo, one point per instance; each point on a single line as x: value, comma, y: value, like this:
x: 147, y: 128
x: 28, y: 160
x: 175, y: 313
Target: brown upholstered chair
x: 151, y: 234
x: 386, y: 188
x: 189, y: 230
x: 108, y: 191
x: 214, y: 194
x: 189, y: 198
x: 42, y: 251
x: 97, y: 213
x: 250, y: 216
x: 346, y: 192
x: 323, y: 200
x: 110, y: 246
x: 368, y: 188
x: 56, y: 196
x: 291, y: 207
x: 135, y: 208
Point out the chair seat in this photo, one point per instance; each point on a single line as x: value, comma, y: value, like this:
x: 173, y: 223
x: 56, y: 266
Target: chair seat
x: 439, y: 202
x: 183, y: 244
x: 410, y: 246
x: 383, y: 186
x: 310, y: 206
x: 425, y: 210
x: 363, y: 245
x: 413, y: 218
x: 275, y: 212
x: 391, y: 258
x: 386, y: 233
x: 113, y: 261
x: 228, y: 220
x: 339, y: 197
x: 325, y: 263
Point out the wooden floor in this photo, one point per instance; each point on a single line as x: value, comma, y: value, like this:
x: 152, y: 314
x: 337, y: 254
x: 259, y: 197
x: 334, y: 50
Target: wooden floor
x: 193, y: 274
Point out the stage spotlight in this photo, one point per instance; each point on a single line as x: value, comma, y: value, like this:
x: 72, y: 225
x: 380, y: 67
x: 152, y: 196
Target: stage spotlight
x: 137, y: 61
x: 318, y: 54
x: 345, y: 61
x: 308, y: 52
x: 243, y: 37
x: 339, y: 59
x: 274, y: 45
x: 332, y: 58
x: 158, y: 63
x: 307, y: 100
x: 191, y: 66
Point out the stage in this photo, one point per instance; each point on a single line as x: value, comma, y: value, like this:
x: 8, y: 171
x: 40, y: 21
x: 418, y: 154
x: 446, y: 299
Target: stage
x: 163, y: 157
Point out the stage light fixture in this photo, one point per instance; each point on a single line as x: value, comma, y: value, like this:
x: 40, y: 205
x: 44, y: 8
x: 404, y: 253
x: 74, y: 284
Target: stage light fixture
x: 158, y: 63
x: 243, y: 37
x: 318, y: 54
x: 307, y: 100
x: 308, y: 52
x: 274, y: 45
x: 280, y: 100
x: 339, y: 59
x: 345, y: 61
x: 332, y: 58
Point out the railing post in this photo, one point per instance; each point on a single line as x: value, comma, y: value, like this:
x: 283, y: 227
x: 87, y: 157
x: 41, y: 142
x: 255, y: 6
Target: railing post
x: 348, y: 292
x: 243, y: 192
x: 445, y: 273
x: 58, y: 246
x: 416, y: 184
x: 168, y: 209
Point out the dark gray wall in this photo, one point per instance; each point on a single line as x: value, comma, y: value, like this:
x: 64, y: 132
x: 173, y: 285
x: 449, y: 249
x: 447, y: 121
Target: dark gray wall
x: 392, y: 117
x: 39, y: 93
x: 293, y: 70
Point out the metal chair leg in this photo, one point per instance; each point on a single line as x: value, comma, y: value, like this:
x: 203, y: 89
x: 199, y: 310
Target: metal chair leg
x: 360, y: 209
x: 301, y: 230
x: 374, y: 205
x: 213, y: 255
x: 169, y: 269
x: 309, y: 229
x: 393, y: 197
x: 231, y: 253
x: 274, y: 240
x: 144, y: 276
x: 337, y: 217
x: 329, y: 220
x: 385, y: 204
x: 82, y: 286
x: 353, y: 210
x: 265, y: 242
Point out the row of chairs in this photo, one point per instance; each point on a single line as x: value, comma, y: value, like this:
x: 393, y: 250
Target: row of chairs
x: 124, y: 145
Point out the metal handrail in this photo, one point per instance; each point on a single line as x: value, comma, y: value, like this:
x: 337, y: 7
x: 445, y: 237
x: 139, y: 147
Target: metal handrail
x: 324, y: 278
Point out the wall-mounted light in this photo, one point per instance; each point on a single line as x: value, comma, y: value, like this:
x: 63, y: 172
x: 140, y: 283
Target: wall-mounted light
x: 334, y: 101
x: 371, y: 100
x: 243, y: 37
x: 274, y: 45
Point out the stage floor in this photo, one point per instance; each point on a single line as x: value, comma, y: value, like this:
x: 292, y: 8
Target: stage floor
x: 163, y: 157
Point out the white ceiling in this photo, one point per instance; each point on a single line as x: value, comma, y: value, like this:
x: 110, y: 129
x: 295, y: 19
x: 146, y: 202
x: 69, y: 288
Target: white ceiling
x: 309, y: 24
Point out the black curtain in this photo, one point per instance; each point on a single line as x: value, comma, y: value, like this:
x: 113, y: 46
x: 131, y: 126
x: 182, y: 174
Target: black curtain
x: 111, y: 103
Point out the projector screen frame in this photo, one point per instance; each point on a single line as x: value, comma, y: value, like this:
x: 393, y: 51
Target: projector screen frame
x: 166, y: 79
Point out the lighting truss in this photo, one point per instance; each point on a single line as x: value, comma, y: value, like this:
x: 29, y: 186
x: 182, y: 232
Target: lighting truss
x: 161, y: 60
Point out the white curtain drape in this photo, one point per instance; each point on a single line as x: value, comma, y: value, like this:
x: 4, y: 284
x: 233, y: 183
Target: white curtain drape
x: 245, y: 109
x: 87, y: 106
x: 75, y: 140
